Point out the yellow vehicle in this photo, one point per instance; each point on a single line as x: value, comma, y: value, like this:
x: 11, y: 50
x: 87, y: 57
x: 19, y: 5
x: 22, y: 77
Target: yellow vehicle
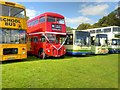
x: 13, y: 26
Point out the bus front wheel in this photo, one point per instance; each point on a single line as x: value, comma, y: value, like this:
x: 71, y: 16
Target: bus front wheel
x: 41, y: 54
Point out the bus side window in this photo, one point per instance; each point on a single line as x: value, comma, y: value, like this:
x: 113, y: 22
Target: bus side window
x: 0, y: 35
x: 92, y: 40
x: 69, y: 40
x: 31, y: 40
x: 35, y: 39
x: 42, y: 19
x: 42, y: 38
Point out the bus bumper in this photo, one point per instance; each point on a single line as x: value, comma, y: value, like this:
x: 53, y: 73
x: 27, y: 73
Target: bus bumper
x: 114, y: 51
x: 79, y: 53
x: 12, y: 57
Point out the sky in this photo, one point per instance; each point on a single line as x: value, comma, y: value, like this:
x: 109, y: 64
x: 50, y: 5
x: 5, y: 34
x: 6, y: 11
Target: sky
x: 75, y: 13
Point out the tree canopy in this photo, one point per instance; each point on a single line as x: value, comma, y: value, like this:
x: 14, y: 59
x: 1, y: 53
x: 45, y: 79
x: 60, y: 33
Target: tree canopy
x: 68, y: 28
x: 112, y: 19
x: 84, y: 26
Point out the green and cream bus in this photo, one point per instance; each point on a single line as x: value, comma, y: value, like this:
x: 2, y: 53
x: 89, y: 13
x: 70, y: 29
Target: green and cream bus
x: 99, y: 44
x: 78, y: 43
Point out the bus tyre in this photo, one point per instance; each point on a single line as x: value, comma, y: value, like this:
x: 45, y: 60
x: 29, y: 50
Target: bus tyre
x: 41, y: 54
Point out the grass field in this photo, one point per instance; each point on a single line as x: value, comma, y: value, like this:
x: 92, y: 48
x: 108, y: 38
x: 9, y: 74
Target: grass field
x: 99, y: 71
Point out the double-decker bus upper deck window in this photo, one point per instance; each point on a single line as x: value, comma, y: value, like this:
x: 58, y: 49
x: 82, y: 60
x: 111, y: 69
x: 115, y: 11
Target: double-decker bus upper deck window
x: 119, y: 29
x: 51, y: 19
x: 107, y: 30
x: 12, y: 11
x: 98, y: 31
x: 0, y: 35
x: 60, y: 21
x: 34, y: 22
x: 42, y: 19
x: 116, y: 29
x: 92, y: 31
x: 0, y: 9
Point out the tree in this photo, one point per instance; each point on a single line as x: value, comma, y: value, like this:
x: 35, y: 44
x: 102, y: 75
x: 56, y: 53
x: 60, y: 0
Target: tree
x: 84, y: 26
x: 68, y: 28
x: 27, y: 17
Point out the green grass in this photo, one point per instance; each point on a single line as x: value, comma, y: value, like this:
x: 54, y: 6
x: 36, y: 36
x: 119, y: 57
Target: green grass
x: 99, y: 71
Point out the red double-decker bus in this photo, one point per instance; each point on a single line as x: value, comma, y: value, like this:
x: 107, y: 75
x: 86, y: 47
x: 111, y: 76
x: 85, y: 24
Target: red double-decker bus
x: 46, y: 35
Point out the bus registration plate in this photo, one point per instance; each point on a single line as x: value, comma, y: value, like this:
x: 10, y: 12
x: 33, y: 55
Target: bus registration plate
x: 10, y: 58
x: 103, y: 51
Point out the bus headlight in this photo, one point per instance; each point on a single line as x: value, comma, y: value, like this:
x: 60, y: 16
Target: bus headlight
x: 48, y: 50
x: 23, y: 52
x: 53, y: 26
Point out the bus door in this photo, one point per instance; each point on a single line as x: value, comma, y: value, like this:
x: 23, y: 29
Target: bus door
x: 34, y: 45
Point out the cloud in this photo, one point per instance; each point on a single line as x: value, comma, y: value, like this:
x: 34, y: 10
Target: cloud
x: 116, y: 7
x: 95, y: 10
x: 31, y: 13
x: 77, y: 20
x: 105, y: 0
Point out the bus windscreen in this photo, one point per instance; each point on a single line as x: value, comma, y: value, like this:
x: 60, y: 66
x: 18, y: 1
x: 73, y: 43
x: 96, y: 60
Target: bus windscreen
x: 12, y: 11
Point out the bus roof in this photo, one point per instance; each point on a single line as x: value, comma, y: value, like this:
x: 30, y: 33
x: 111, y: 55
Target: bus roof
x: 71, y: 31
x: 47, y: 14
x: 100, y: 28
x: 13, y: 4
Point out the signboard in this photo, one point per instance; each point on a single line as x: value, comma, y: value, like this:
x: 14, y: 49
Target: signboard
x: 13, y: 23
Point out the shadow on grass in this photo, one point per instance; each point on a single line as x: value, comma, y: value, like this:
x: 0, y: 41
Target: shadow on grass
x: 32, y: 58
x: 29, y: 58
